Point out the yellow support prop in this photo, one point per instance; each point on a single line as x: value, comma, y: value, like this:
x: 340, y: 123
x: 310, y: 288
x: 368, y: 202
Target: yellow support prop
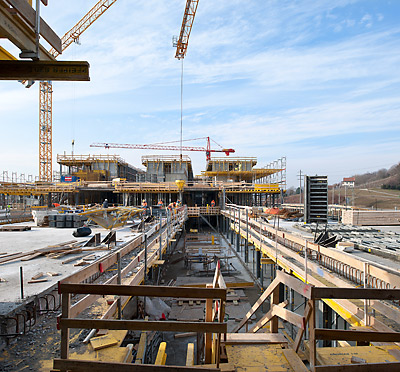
x: 161, y: 355
x: 190, y: 355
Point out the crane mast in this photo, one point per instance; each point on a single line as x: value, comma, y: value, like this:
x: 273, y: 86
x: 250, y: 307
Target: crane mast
x: 46, y: 91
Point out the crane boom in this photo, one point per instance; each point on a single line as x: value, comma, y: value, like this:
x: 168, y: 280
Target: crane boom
x: 207, y: 149
x: 187, y: 23
x: 46, y: 91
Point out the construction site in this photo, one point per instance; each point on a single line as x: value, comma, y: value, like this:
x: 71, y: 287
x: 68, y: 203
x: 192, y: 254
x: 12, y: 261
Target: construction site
x: 107, y: 265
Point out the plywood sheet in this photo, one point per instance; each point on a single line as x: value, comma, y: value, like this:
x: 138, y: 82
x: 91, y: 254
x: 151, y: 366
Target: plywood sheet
x: 255, y: 358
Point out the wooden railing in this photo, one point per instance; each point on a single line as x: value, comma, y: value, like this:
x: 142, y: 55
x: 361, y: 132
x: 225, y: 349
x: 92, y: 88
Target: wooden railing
x: 212, y: 329
x: 313, y: 294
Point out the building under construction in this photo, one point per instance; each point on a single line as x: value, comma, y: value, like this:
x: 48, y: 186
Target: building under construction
x: 112, y: 267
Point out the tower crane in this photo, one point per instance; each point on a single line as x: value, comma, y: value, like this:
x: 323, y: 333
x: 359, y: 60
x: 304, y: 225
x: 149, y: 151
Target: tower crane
x: 161, y: 146
x: 46, y: 90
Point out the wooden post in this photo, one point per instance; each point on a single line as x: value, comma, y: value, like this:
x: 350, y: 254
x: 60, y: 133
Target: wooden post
x: 119, y: 282
x: 275, y: 301
x: 208, y: 336
x: 65, y: 311
x: 312, y: 341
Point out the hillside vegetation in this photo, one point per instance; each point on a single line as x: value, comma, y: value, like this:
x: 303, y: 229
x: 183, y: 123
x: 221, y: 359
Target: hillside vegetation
x: 384, y: 178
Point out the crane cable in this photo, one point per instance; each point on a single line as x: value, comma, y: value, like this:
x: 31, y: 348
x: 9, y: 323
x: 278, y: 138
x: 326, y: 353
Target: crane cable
x: 181, y: 140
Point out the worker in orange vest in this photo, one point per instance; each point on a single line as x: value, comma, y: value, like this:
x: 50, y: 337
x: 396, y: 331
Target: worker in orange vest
x: 144, y: 203
x: 212, y: 203
x: 160, y: 203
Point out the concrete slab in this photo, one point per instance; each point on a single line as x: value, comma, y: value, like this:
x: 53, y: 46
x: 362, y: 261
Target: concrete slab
x: 40, y: 237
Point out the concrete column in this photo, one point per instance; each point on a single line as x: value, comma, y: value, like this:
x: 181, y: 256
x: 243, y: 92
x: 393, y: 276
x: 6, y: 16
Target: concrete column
x: 258, y: 264
x: 327, y: 315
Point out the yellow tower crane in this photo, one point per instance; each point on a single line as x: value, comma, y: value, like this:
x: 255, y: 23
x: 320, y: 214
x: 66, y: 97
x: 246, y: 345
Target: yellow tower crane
x: 46, y: 91
x: 187, y: 23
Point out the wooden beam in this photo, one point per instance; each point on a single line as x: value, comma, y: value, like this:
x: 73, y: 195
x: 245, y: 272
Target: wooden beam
x: 22, y: 37
x: 87, y: 366
x: 29, y: 15
x: 295, y: 284
x: 346, y: 335
x: 44, y: 70
x: 365, y: 367
x: 257, y: 304
x: 266, y: 318
x: 143, y: 290
x: 135, y: 325
x: 356, y: 293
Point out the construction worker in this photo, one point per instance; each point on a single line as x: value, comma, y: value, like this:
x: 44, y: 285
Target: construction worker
x: 160, y: 203
x: 105, y: 203
x: 212, y: 203
x: 178, y: 203
x: 144, y: 203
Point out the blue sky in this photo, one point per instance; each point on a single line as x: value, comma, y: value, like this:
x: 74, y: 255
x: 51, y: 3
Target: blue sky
x: 315, y: 81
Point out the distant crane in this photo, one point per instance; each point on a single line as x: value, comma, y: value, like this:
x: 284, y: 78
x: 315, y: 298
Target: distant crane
x: 46, y: 91
x: 161, y: 146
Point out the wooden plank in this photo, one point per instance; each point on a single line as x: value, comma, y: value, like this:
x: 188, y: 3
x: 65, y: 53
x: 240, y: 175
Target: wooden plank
x: 44, y: 70
x: 30, y: 257
x: 14, y: 257
x: 266, y: 318
x: 102, y: 342
x: 141, y: 348
x: 143, y: 290
x: 255, y: 338
x: 367, y: 367
x: 257, y: 304
x: 37, y: 276
x: 289, y: 316
x: 161, y: 355
x: 37, y: 281
x: 293, y: 359
x: 346, y: 335
x: 355, y: 293
x: 300, y: 332
x: 29, y: 15
x: 134, y: 325
x: 84, y: 366
x: 190, y: 355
